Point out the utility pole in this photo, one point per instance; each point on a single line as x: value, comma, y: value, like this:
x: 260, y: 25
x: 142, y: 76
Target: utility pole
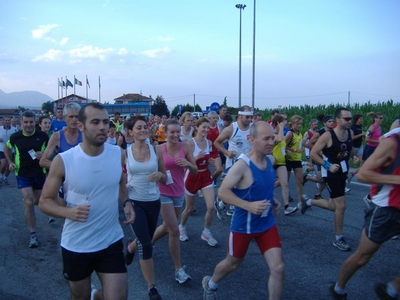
x: 348, y: 99
x: 254, y: 57
x: 240, y: 7
x: 194, y: 102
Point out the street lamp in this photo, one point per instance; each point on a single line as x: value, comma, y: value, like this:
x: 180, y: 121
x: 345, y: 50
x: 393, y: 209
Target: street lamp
x: 254, y: 57
x: 240, y: 7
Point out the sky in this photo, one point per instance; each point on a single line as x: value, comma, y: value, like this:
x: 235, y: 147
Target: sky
x: 307, y: 52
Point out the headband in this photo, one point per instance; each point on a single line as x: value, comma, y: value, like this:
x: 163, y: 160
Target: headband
x: 245, y: 113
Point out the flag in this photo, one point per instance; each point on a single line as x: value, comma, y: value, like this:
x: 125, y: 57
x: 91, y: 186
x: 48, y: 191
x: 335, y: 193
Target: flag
x: 87, y: 82
x: 59, y: 83
x: 69, y: 83
x: 78, y: 82
x: 63, y: 83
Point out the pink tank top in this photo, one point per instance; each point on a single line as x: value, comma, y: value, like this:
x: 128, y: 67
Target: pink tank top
x: 177, y: 188
x: 375, y: 136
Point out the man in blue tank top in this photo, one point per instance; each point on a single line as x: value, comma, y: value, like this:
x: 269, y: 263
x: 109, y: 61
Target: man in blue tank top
x: 249, y: 187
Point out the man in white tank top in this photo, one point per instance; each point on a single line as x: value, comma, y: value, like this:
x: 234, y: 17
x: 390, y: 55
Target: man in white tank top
x: 91, y: 239
x: 237, y: 136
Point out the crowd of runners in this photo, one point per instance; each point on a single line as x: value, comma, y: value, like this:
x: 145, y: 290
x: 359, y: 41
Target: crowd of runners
x: 82, y: 167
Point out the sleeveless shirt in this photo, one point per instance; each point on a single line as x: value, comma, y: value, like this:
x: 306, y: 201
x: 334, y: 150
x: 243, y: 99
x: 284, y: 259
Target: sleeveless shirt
x: 295, y: 144
x: 93, y: 180
x: 238, y: 142
x: 64, y: 145
x: 202, y: 164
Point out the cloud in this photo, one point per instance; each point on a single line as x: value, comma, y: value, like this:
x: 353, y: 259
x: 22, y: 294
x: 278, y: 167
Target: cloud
x: 5, y: 58
x: 122, y: 51
x: 165, y: 39
x: 154, y: 53
x: 90, y: 52
x: 51, y: 55
x: 64, y: 41
x: 44, y: 31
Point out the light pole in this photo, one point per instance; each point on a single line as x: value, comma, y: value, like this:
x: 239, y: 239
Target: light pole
x: 240, y: 7
x: 254, y: 58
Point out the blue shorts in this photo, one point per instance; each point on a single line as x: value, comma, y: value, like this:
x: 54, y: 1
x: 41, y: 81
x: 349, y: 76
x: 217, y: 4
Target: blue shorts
x: 177, y: 201
x: 35, y: 183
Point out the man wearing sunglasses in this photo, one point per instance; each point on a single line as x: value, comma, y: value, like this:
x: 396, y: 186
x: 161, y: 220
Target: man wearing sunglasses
x: 336, y: 146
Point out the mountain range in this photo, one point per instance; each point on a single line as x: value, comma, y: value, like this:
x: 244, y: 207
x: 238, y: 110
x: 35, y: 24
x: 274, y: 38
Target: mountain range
x: 27, y: 99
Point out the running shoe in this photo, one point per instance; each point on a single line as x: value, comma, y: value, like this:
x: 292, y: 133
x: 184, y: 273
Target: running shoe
x: 299, y: 206
x: 381, y: 292
x: 33, y: 241
x: 304, y: 205
x: 209, y: 239
x: 341, y: 244
x: 346, y: 189
x: 230, y: 210
x: 305, y: 176
x: 350, y: 177
x: 153, y: 294
x: 128, y: 255
x: 209, y: 294
x: 219, y: 207
x: 181, y: 276
x: 182, y: 234
x: 199, y: 194
x: 290, y: 210
x: 335, y: 295
x: 51, y: 220
x: 367, y: 201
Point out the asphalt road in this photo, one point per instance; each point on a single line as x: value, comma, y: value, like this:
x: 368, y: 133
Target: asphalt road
x: 311, y: 262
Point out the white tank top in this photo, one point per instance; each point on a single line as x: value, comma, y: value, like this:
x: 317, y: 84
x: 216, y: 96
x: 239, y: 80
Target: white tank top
x: 140, y: 188
x: 238, y: 143
x: 186, y: 137
x: 93, y: 180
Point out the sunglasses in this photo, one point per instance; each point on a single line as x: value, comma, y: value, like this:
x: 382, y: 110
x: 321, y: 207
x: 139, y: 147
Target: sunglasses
x: 380, y: 118
x: 347, y: 119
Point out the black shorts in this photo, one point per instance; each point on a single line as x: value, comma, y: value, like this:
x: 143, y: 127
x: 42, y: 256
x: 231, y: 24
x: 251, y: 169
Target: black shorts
x: 336, y: 185
x: 223, y: 157
x: 78, y: 266
x: 2, y: 156
x: 293, y: 165
x: 368, y: 150
x: 382, y: 223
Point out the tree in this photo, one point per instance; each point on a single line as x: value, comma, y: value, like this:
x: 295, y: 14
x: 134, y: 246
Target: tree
x: 21, y: 109
x: 47, y: 107
x: 185, y: 108
x: 159, y: 107
x: 225, y: 103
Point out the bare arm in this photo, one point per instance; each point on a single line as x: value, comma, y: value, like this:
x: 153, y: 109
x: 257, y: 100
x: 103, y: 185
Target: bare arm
x: 382, y: 156
x: 8, y: 155
x: 50, y: 191
x: 318, y: 147
x: 190, y: 161
x: 367, y: 138
x: 222, y: 138
x: 394, y: 125
x: 160, y: 175
x: 313, y: 140
x: 279, y: 136
x: 123, y: 195
x: 305, y: 138
x: 54, y: 141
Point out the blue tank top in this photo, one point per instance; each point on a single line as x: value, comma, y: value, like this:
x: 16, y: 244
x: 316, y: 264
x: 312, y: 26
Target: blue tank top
x: 64, y: 146
x: 262, y: 187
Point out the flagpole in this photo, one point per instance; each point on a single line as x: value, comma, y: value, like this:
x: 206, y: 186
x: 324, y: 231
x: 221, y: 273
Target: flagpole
x: 58, y: 88
x: 74, y: 86
x: 86, y: 90
x: 66, y: 86
x: 99, y: 90
x: 62, y: 88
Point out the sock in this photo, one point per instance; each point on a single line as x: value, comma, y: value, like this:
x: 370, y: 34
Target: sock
x: 206, y: 231
x: 391, y: 290
x: 286, y: 206
x: 339, y: 237
x: 212, y: 285
x: 309, y: 202
x: 338, y: 290
x: 181, y: 226
x: 149, y: 288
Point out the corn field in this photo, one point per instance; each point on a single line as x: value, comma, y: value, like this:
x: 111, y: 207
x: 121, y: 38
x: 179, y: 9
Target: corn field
x: 389, y: 110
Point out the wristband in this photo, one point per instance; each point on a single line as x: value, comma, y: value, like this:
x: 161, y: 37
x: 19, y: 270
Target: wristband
x: 127, y: 200
x: 327, y: 165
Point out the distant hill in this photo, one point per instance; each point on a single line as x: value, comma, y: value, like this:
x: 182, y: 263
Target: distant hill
x: 27, y: 99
